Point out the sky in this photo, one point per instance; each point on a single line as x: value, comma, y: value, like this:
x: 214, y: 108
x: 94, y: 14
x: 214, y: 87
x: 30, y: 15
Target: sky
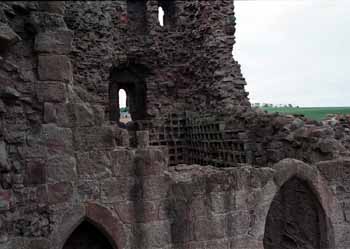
x: 294, y: 51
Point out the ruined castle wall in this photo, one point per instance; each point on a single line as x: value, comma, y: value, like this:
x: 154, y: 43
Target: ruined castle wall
x: 62, y: 164
x: 198, y: 139
x: 248, y: 136
x: 189, y: 60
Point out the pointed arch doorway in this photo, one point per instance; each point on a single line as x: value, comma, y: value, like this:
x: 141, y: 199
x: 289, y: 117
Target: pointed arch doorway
x: 296, y: 219
x: 87, y: 236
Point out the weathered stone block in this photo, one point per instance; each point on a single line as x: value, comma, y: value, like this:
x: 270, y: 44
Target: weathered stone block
x: 57, y: 7
x: 82, y: 113
x: 3, y: 156
x: 120, y: 189
x: 150, y: 162
x: 56, y: 139
x: 8, y: 37
x: 36, y: 172
x: 59, y: 42
x: 238, y: 223
x: 45, y: 21
x: 55, y: 68
x: 123, y: 162
x: 210, y: 228
x: 61, y: 167
x: 137, y: 211
x: 88, y: 190
x: 94, y: 165
x: 5, y: 200
x: 60, y: 192
x: 142, y: 138
x: 222, y: 202
x: 78, y: 115
x: 154, y: 187
x: 151, y: 235
x: 88, y: 138
x: 50, y: 114
x: 50, y: 91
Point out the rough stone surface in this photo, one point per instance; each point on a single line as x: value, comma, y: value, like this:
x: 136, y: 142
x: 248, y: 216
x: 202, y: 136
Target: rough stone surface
x: 54, y: 42
x: 54, y: 68
x: 7, y: 36
x: 196, y: 168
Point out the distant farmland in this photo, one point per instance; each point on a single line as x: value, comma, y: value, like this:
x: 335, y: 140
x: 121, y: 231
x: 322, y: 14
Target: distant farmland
x: 316, y: 113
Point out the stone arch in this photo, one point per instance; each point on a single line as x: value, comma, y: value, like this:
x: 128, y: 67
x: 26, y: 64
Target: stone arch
x: 289, y: 173
x: 132, y: 78
x: 87, y: 235
x: 100, y: 217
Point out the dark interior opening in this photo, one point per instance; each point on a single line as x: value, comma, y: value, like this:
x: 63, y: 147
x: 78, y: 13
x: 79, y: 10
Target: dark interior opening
x: 169, y: 8
x: 87, y: 236
x: 137, y: 18
x: 296, y: 219
x: 130, y: 78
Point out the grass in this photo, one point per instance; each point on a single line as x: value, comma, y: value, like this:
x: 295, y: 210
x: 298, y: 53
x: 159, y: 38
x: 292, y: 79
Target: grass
x: 316, y: 113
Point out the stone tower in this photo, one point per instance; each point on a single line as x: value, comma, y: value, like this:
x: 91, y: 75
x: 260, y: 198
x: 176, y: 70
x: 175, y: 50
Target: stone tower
x: 185, y: 65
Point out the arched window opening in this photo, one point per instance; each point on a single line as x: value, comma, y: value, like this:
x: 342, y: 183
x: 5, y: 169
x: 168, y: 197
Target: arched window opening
x: 137, y: 18
x: 87, y: 236
x: 128, y: 80
x: 296, y: 219
x: 167, y: 13
x: 161, y: 16
x: 125, y: 116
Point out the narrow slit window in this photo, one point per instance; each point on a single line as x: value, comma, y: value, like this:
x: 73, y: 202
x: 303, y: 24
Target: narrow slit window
x: 125, y: 116
x: 161, y: 16
x: 167, y: 13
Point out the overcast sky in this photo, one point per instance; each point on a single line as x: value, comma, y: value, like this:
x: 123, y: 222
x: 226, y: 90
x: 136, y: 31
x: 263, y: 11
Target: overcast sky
x: 295, y: 51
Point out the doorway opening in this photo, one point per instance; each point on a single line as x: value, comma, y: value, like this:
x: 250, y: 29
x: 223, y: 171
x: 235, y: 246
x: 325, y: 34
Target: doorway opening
x: 296, y: 219
x: 87, y: 236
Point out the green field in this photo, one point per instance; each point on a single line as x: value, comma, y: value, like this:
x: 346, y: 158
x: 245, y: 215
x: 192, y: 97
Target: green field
x: 316, y: 113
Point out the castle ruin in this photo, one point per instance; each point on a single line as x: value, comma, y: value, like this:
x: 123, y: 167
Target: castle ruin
x: 197, y: 168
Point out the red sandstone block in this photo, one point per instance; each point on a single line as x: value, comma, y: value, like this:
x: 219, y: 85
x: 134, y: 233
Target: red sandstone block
x: 5, y: 198
x: 60, y: 192
x: 35, y: 172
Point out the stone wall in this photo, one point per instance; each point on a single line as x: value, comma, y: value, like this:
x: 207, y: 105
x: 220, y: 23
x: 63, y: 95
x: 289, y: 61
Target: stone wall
x: 196, y: 48
x: 64, y: 166
x: 248, y: 136
x: 197, y: 139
